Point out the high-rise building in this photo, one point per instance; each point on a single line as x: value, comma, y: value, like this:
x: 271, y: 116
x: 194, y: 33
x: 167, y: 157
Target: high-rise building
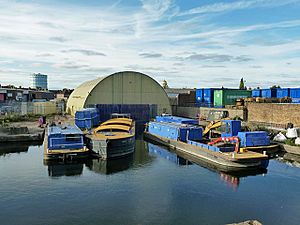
x: 39, y: 81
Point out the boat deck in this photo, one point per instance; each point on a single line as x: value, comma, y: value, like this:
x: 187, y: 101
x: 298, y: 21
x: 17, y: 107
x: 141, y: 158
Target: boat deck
x: 224, y: 161
x: 244, y: 155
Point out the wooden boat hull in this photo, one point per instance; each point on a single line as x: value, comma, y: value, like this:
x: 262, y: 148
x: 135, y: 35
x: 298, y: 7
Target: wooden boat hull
x: 270, y: 149
x: 215, y: 159
x: 112, y: 148
x: 290, y: 149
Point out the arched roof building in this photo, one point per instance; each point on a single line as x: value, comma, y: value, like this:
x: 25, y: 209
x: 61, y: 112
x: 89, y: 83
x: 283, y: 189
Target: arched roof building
x: 126, y: 87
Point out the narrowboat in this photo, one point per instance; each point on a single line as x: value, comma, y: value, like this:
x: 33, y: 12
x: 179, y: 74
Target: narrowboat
x: 114, y: 137
x: 177, y: 157
x: 64, y: 142
x: 224, y: 153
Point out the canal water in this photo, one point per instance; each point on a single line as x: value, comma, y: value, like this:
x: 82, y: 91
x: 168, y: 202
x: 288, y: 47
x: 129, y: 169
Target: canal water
x: 154, y: 186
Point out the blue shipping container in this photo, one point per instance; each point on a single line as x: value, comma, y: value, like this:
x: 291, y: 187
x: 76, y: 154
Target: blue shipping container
x: 269, y: 93
x: 199, y: 95
x: 252, y: 139
x: 283, y: 92
x: 208, y: 95
x: 295, y: 95
x: 256, y: 93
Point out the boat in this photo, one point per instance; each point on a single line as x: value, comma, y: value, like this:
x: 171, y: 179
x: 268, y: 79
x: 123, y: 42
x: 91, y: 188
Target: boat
x: 64, y: 142
x: 179, y: 158
x: 114, y: 137
x: 224, y: 153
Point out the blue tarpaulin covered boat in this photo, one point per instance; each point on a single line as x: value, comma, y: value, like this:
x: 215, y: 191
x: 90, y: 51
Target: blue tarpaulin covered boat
x: 64, y: 142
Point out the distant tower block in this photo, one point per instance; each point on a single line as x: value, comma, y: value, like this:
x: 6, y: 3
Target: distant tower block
x: 39, y: 81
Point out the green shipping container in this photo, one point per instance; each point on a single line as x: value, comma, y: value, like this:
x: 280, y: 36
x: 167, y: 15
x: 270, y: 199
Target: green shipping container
x: 229, y: 96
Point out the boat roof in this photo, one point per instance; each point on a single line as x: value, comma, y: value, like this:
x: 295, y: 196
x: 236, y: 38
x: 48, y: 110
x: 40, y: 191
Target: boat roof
x: 123, y: 121
x: 173, y: 124
x: 112, y: 127
x: 68, y: 129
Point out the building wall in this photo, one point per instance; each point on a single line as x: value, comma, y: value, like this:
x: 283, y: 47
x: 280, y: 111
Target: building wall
x: 192, y: 112
x: 39, y: 81
x: 44, y: 108
x: 276, y: 114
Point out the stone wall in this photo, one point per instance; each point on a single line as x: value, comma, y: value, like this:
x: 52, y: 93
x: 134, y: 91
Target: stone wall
x: 275, y: 114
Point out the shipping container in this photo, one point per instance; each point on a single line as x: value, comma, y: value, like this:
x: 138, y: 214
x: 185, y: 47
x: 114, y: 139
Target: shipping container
x: 256, y: 93
x: 283, y: 92
x: 208, y: 95
x: 254, y: 138
x: 295, y: 95
x: 229, y: 96
x: 269, y: 93
x: 199, y: 95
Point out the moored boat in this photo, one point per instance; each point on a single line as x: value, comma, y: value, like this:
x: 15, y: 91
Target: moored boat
x: 114, y: 137
x: 224, y: 153
x: 64, y: 142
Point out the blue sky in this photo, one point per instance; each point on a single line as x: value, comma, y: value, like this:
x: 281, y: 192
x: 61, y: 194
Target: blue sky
x: 188, y: 43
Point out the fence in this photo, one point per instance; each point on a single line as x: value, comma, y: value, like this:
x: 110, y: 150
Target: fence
x: 35, y: 108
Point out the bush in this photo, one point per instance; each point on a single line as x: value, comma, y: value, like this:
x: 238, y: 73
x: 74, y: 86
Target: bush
x: 290, y: 142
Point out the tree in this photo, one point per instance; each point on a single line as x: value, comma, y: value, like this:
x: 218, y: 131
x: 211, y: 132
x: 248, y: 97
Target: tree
x: 274, y: 86
x: 165, y: 84
x: 242, y: 84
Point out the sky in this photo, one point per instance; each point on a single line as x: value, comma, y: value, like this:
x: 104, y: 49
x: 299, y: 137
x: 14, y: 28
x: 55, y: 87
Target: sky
x: 188, y: 43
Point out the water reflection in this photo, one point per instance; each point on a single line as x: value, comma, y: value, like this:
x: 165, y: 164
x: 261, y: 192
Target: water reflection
x: 290, y: 159
x: 67, y: 168
x: 11, y: 148
x: 232, y: 179
x: 171, y: 156
x: 139, y: 158
x: 110, y: 166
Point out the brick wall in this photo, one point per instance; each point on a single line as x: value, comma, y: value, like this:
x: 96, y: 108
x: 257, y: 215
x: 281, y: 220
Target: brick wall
x: 278, y: 114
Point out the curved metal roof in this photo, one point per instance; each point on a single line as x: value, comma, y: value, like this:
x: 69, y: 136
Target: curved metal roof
x: 112, y: 127
x: 79, y: 96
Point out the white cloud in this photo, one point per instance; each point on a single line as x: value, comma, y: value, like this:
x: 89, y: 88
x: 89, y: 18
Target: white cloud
x: 237, y: 5
x: 151, y: 39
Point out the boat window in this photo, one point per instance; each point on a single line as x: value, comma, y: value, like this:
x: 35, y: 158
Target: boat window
x: 73, y: 137
x: 225, y: 128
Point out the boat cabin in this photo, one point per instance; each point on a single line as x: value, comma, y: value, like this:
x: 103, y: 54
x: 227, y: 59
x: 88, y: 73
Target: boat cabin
x: 66, y: 137
x: 120, y: 115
